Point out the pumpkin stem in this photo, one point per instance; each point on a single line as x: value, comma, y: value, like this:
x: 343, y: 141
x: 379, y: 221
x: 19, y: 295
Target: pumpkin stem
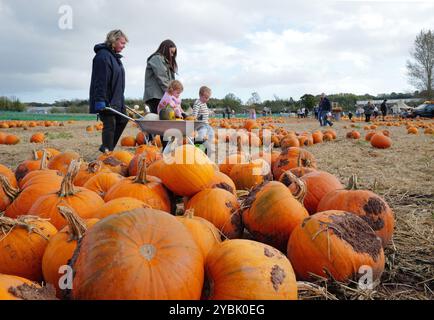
x: 8, y: 224
x: 44, y: 160
x: 11, y: 192
x: 77, y: 226
x: 67, y: 187
x: 94, y: 166
x: 352, y: 184
x: 289, y: 179
x: 239, y: 147
x: 141, y: 175
x: 35, y: 154
x: 189, y: 213
x: 303, y: 162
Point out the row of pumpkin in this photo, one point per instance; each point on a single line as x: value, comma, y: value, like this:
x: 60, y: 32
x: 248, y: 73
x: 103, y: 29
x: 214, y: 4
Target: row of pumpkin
x: 135, y: 249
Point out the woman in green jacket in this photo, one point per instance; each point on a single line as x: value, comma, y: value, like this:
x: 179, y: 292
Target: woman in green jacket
x: 160, y: 70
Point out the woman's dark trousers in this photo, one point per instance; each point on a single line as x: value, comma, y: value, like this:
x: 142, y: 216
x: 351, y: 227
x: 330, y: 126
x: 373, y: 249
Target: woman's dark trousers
x: 114, y: 125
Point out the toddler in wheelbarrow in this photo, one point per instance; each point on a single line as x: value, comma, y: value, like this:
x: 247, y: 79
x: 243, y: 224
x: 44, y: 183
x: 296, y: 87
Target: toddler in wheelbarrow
x: 170, y: 108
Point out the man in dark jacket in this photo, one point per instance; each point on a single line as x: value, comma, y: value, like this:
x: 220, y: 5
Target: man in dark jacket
x: 107, y: 88
x: 325, y: 107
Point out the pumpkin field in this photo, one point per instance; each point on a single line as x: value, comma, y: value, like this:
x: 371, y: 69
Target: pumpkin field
x: 323, y: 213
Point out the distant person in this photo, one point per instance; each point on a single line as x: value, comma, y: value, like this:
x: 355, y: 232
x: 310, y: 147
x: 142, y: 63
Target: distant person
x: 375, y: 112
x: 107, y: 88
x: 252, y: 113
x: 161, y: 68
x: 325, y: 108
x: 350, y: 115
x: 228, y: 111
x: 172, y: 97
x: 361, y: 112
x: 306, y: 112
x: 368, y: 109
x: 201, y: 112
x: 315, y: 110
x: 383, y: 109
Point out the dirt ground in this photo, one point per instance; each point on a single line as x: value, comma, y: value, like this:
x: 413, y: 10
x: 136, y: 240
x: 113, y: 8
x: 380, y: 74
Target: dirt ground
x: 402, y: 174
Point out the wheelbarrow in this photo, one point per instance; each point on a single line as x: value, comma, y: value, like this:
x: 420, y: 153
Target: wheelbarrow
x: 169, y: 130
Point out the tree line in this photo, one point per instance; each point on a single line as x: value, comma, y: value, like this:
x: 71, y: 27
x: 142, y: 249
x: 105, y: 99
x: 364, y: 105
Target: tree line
x: 346, y: 101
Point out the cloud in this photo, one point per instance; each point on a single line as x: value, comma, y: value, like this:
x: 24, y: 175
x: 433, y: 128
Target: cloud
x: 286, y: 48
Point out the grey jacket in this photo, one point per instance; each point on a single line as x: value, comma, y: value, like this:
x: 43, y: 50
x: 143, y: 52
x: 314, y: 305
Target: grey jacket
x: 368, y: 109
x: 157, y: 77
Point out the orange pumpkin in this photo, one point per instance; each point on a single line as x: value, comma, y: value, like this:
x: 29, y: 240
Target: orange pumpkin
x: 230, y: 161
x: 11, y: 139
x: 142, y: 187
x: 32, y: 190
x: 292, y: 158
x: 317, y: 137
x: 271, y: 213
x: 128, y: 141
x: 337, y: 244
x: 156, y: 168
x: 364, y: 203
x: 27, y: 166
x: 248, y: 270
x: 151, y: 153
x: 187, y: 170
x: 140, y: 138
x: 117, y: 161
x: 412, y: 130
x: 38, y: 137
x: 318, y: 184
x: 117, y: 206
x: 223, y: 213
x: 62, y: 245
x: 40, y: 176
x: 353, y: 134
x: 381, y: 141
x: 248, y: 175
x: 331, y: 132
x: 289, y: 141
x: 222, y: 181
x: 51, y: 152
x: 8, y: 185
x: 270, y: 157
x: 300, y: 171
x: 22, y: 246
x: 155, y: 245
x: 102, y: 182
x: 62, y: 161
x: 81, y: 200
x: 204, y: 233
x: 88, y: 171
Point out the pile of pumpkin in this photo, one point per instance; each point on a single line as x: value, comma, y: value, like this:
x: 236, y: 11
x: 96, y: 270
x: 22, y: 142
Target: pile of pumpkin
x: 249, y: 227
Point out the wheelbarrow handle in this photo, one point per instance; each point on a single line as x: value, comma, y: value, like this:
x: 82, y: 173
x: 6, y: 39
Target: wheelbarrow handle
x: 120, y: 113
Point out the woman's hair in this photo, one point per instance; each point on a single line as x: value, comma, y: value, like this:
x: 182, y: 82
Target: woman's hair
x: 175, y: 85
x: 114, y: 36
x: 163, y: 49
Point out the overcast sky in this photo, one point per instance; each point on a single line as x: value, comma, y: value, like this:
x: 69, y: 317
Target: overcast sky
x: 274, y: 47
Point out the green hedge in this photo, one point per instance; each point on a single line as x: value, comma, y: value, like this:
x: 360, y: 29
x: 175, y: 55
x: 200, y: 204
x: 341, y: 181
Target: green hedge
x: 25, y: 116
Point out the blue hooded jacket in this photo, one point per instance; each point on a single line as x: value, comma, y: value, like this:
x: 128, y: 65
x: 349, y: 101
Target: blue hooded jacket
x: 107, y: 84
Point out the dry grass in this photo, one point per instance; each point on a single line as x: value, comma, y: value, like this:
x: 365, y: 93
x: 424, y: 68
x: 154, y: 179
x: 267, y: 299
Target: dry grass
x: 403, y: 175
